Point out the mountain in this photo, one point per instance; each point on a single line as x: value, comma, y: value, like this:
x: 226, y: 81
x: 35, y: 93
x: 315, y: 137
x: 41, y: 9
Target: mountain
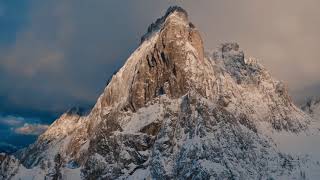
x: 312, y: 107
x: 174, y: 111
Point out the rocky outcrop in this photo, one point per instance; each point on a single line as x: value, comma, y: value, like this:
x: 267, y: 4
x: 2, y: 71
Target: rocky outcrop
x: 51, y: 142
x: 8, y: 166
x: 246, y: 87
x: 195, y: 139
x: 162, y: 68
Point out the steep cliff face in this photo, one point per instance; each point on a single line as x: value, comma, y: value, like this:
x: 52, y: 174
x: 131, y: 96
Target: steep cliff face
x: 175, y: 112
x: 168, y: 62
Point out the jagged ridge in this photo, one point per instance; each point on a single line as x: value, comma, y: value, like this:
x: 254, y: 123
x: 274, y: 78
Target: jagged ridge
x: 172, y: 112
x: 157, y: 25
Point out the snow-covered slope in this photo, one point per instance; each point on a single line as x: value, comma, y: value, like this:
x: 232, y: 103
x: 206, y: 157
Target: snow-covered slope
x: 175, y: 112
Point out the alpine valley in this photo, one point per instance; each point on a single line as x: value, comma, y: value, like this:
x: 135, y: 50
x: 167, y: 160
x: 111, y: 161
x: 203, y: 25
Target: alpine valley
x: 174, y: 111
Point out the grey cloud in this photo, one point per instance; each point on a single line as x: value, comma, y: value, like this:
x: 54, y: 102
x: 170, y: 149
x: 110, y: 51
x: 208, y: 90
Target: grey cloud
x: 284, y: 35
x: 11, y: 120
x: 17, y: 132
x: 2, y: 10
x: 67, y: 51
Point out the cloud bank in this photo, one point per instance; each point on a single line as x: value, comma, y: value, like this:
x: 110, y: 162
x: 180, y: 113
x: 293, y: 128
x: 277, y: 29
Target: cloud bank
x: 11, y: 120
x: 31, y: 129
x: 63, y: 52
x: 17, y: 132
x: 20, y: 125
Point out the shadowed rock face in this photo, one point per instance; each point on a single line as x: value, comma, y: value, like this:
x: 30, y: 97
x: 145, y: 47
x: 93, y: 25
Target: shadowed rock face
x: 162, y: 70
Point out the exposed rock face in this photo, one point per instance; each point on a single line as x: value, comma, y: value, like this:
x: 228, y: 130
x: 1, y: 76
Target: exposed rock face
x: 174, y: 112
x: 162, y: 69
x: 196, y: 140
x: 8, y: 166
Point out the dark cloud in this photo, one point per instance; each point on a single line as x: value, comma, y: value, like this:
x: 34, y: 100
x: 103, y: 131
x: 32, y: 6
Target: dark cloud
x: 63, y: 52
x: 7, y: 148
x: 12, y: 18
x: 2, y: 10
x: 67, y: 51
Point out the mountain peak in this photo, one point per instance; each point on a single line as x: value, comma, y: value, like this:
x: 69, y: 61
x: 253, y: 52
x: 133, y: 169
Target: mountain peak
x: 178, y: 9
x: 173, y: 11
x: 168, y: 61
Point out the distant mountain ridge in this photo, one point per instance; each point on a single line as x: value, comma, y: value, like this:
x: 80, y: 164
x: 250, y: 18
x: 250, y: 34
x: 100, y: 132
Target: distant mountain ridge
x: 312, y: 107
x: 174, y: 111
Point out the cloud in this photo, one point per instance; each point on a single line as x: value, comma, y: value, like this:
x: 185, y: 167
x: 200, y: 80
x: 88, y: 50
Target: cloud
x: 7, y: 147
x: 11, y: 120
x: 3, y: 144
x: 17, y: 131
x: 2, y: 10
x: 64, y: 52
x: 21, y: 125
x: 31, y: 129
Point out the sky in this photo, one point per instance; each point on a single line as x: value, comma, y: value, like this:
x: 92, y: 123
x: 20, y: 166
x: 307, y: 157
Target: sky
x: 58, y: 54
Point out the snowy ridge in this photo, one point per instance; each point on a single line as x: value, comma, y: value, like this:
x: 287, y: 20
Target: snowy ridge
x: 121, y: 81
x: 174, y: 112
x: 247, y: 88
x: 158, y: 24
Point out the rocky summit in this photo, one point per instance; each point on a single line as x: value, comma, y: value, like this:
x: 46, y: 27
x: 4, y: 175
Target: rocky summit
x: 174, y: 111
